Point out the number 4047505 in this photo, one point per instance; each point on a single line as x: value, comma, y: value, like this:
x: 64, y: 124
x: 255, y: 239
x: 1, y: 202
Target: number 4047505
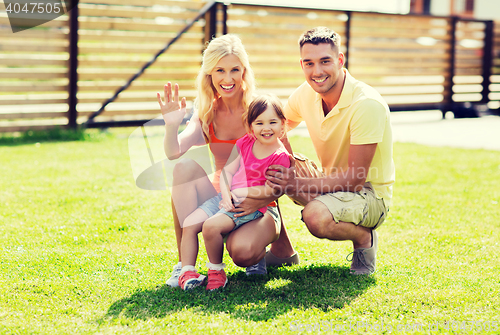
x: 34, y: 7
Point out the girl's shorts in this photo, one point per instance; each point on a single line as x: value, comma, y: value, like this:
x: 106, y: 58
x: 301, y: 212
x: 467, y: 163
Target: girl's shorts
x: 211, y: 207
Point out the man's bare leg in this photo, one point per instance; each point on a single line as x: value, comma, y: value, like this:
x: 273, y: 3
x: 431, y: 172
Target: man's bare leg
x: 321, y: 224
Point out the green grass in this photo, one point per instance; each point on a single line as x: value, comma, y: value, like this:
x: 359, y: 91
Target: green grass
x: 50, y: 135
x: 83, y: 250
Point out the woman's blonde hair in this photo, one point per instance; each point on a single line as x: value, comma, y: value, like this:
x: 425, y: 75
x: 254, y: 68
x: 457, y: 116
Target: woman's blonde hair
x: 206, y: 93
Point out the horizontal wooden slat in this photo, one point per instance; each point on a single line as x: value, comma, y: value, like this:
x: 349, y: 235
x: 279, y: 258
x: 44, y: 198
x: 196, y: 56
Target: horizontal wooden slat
x: 56, y: 23
x: 147, y: 76
x: 134, y: 12
x: 150, y: 3
x: 299, y: 12
x: 32, y: 87
x: 82, y: 64
x: 408, y: 72
x: 17, y: 116
x: 275, y: 31
x: 20, y: 47
x: 17, y: 128
x: 383, y: 44
x: 50, y: 39
x: 39, y: 75
x: 124, y: 24
x: 366, y: 16
x: 399, y: 55
x: 397, y: 34
x: 136, y: 86
x: 34, y: 62
x: 188, y: 50
x: 278, y: 20
x: 115, y: 36
x: 106, y: 113
x: 35, y: 34
x: 31, y: 101
x: 408, y: 63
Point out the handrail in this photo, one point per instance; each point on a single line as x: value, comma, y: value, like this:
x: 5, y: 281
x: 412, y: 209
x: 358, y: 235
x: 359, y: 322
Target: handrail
x: 201, y: 13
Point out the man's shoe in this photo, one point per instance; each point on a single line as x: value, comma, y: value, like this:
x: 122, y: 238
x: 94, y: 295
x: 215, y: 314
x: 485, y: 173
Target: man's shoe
x: 272, y: 260
x: 216, y: 279
x: 173, y: 281
x: 257, y: 269
x: 364, y: 259
x: 190, y: 279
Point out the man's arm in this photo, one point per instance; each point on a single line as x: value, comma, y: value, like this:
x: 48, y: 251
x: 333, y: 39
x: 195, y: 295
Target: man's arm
x: 351, y: 180
x: 289, y: 126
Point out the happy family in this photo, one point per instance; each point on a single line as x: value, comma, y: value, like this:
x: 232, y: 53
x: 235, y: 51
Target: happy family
x: 349, y: 125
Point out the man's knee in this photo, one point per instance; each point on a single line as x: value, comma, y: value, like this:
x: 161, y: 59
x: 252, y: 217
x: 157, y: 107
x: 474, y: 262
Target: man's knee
x: 317, y: 218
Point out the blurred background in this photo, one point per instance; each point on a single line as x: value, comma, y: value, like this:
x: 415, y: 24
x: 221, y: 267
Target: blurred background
x: 102, y: 63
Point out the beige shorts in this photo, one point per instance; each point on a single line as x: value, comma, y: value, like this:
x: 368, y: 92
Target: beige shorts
x: 361, y: 208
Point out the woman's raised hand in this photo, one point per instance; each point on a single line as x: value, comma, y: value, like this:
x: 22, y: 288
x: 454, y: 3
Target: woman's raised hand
x: 172, y: 111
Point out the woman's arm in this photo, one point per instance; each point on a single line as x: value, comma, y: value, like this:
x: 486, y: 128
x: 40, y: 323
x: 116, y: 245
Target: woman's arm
x: 173, y: 112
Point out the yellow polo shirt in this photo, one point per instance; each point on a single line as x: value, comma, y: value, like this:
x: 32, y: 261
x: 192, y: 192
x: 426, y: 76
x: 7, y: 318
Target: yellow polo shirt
x: 360, y: 117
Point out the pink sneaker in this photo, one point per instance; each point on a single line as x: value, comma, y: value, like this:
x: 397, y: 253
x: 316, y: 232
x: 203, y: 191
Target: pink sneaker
x: 216, y: 279
x: 190, y: 279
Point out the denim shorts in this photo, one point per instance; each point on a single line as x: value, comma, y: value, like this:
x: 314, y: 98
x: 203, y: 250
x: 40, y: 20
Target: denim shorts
x: 211, y: 207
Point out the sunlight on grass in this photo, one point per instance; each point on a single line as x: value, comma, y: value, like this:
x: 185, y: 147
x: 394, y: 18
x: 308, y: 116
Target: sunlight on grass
x: 277, y: 283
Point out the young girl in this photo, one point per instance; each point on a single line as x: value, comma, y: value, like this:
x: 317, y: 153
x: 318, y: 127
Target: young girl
x: 245, y: 172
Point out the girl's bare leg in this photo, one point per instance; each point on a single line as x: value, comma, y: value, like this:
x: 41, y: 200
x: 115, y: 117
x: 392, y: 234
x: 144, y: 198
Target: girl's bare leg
x: 212, y: 235
x: 247, y: 244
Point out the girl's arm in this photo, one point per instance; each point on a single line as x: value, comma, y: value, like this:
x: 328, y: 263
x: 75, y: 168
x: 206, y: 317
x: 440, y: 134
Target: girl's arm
x: 255, y: 192
x: 226, y: 178
x: 173, y: 112
x: 263, y: 192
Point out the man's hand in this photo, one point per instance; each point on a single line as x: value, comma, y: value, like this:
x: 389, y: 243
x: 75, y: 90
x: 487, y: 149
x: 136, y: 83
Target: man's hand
x: 281, y: 179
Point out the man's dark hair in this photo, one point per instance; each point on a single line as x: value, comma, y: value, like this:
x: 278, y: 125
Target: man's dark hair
x: 320, y: 35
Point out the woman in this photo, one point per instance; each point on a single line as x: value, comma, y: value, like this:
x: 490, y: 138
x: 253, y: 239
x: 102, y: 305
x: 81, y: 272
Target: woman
x: 225, y: 87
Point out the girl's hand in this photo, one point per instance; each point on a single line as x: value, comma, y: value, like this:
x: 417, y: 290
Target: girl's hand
x: 226, y: 203
x: 172, y: 111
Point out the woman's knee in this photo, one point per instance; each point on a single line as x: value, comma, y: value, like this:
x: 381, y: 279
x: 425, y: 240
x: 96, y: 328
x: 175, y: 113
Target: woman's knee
x: 317, y: 217
x: 242, y: 254
x: 185, y: 170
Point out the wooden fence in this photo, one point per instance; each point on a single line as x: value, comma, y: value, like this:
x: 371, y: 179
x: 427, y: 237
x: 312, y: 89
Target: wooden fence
x: 416, y: 62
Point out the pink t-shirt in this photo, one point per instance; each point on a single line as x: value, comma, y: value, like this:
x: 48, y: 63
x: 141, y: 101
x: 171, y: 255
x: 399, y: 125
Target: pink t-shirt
x: 252, y: 171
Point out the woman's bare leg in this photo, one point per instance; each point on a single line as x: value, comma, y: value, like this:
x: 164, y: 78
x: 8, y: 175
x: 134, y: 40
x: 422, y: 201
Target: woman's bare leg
x: 190, y: 244
x: 178, y: 229
x: 191, y: 189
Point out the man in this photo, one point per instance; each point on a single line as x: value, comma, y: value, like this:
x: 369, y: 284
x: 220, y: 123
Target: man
x: 348, y: 122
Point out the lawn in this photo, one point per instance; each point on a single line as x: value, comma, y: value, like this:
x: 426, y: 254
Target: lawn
x: 84, y: 250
